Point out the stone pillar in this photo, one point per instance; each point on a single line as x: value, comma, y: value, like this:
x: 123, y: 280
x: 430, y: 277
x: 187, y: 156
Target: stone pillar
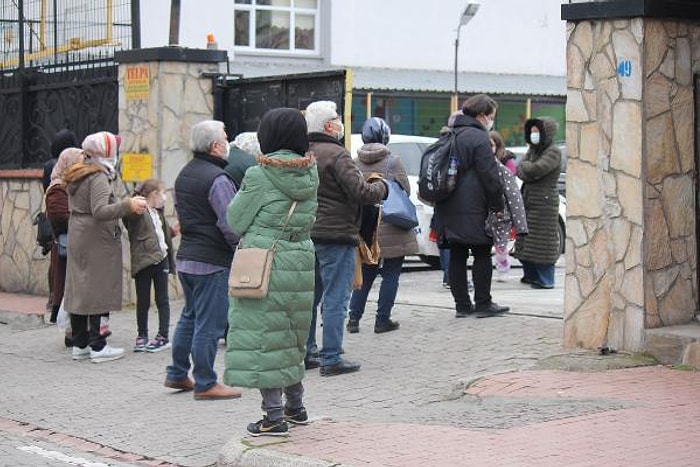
x: 631, y: 261
x: 163, y: 92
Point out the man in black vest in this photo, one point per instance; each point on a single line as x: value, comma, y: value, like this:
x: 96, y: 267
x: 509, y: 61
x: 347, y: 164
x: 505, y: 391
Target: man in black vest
x: 203, y: 191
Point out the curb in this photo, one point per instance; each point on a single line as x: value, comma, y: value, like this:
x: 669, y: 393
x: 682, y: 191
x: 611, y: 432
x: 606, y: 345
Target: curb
x: 240, y: 453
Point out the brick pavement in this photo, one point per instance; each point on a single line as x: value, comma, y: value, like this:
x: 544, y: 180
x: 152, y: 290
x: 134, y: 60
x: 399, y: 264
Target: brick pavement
x: 658, y: 428
x: 407, y: 406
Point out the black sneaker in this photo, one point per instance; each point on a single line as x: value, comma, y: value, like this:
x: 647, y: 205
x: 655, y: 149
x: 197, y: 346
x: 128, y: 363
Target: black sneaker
x: 296, y: 416
x: 353, y: 326
x: 385, y: 326
x: 265, y: 427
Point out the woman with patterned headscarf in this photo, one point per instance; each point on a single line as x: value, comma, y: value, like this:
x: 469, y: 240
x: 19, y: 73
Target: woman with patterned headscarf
x: 94, y: 272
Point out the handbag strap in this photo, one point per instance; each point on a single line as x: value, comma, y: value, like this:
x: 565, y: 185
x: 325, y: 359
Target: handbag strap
x: 284, y: 226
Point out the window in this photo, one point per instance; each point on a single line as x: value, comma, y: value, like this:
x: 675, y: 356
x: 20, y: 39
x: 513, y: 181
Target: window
x: 276, y: 25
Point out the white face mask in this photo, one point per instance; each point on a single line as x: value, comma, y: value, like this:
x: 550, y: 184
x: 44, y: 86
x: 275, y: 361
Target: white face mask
x: 489, y: 125
x: 535, y: 138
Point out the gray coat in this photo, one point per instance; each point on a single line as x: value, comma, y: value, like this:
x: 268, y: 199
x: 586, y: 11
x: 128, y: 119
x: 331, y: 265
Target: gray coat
x: 539, y: 171
x: 372, y: 158
x: 94, y: 271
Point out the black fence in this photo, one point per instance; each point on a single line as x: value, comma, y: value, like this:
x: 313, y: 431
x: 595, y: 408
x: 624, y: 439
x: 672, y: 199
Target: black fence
x: 57, y: 71
x: 241, y: 103
x: 39, y: 32
x: 36, y: 103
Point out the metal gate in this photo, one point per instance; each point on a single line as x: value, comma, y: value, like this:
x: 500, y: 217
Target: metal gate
x: 57, y: 71
x: 36, y: 103
x: 240, y: 103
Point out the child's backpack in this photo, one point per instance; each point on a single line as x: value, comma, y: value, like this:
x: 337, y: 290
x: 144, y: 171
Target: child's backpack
x: 438, y: 169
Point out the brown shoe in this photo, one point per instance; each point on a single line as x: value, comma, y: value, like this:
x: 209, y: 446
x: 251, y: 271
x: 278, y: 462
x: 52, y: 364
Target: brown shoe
x: 217, y: 392
x: 182, y: 384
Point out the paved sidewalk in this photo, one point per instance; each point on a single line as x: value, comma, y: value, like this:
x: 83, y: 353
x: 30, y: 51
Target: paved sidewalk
x: 652, y: 418
x: 440, y: 391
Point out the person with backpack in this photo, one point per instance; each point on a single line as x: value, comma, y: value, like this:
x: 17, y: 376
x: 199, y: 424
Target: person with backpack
x: 462, y: 214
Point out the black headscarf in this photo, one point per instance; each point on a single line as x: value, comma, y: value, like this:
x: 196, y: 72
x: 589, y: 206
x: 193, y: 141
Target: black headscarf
x: 283, y: 128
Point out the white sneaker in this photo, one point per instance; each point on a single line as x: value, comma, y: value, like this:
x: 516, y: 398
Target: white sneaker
x: 106, y: 354
x: 81, y: 354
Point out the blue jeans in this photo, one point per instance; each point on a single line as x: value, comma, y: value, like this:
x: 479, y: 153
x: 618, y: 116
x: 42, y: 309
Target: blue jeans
x: 542, y: 274
x: 445, y: 264
x: 335, y: 269
x: 202, y: 322
x: 390, y: 270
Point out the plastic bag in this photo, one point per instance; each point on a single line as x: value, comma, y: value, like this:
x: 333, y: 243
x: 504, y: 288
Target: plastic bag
x: 63, y: 318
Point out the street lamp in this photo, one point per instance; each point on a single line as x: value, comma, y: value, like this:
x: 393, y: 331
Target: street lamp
x: 467, y: 15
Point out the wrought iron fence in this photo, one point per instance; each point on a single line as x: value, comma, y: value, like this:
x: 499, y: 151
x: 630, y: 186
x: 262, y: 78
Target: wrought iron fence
x: 57, y: 71
x: 40, y: 32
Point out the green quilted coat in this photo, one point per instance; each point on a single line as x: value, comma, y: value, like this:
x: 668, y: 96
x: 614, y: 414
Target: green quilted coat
x: 267, y: 337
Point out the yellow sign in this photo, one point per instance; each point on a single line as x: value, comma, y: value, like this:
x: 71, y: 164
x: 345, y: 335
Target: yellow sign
x: 136, y: 167
x: 137, y: 84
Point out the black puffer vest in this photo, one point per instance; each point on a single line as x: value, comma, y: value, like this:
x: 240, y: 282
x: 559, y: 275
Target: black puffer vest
x: 201, y: 239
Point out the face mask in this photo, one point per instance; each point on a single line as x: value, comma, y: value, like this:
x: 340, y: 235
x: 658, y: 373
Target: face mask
x: 535, y: 138
x: 489, y: 125
x: 341, y: 130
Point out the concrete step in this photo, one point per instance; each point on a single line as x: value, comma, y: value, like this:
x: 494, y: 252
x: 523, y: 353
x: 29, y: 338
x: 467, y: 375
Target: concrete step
x: 673, y: 345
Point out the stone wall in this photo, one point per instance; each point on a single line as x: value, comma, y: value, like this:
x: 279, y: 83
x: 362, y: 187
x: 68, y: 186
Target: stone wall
x: 631, y: 246
x: 179, y: 96
x: 22, y: 266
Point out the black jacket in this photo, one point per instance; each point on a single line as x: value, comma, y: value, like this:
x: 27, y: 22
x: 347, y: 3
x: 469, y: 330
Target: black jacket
x: 201, y: 239
x: 462, y: 217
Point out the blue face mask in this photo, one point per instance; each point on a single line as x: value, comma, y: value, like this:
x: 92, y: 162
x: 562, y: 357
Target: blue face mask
x: 535, y: 138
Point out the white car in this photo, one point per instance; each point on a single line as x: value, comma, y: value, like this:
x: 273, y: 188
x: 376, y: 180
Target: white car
x: 410, y: 149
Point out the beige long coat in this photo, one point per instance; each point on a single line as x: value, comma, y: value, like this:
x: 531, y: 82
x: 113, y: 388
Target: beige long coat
x: 94, y: 272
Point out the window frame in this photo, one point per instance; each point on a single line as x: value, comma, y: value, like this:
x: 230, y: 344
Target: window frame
x: 253, y: 7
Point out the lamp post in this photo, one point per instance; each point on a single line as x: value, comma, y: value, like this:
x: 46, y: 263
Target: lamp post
x: 467, y: 15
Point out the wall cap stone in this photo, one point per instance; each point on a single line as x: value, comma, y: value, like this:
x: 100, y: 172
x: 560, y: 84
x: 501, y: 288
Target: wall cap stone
x: 686, y: 10
x: 171, y: 54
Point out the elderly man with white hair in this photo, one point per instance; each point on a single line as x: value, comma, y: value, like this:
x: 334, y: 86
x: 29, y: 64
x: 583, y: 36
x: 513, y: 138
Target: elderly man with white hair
x: 203, y: 191
x: 342, y: 192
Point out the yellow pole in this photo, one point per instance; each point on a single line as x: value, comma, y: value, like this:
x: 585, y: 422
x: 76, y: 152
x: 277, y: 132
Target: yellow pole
x: 528, y: 108
x: 368, y: 104
x: 42, y: 25
x: 110, y: 20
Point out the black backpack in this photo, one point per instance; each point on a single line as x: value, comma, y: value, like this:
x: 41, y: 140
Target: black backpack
x: 438, y: 169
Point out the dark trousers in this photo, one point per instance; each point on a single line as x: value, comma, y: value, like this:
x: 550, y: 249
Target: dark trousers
x: 158, y: 275
x: 272, y: 400
x: 86, y: 331
x: 481, y: 274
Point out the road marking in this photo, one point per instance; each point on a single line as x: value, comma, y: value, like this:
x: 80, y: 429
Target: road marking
x: 61, y: 457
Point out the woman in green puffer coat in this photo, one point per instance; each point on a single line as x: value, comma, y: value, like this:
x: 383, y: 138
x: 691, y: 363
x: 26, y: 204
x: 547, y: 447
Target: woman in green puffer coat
x: 267, y: 337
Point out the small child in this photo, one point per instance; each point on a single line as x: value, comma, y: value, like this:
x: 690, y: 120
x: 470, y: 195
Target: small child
x: 513, y: 215
x: 151, y: 261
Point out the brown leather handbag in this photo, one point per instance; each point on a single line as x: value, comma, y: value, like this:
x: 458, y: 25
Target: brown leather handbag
x: 251, y: 268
